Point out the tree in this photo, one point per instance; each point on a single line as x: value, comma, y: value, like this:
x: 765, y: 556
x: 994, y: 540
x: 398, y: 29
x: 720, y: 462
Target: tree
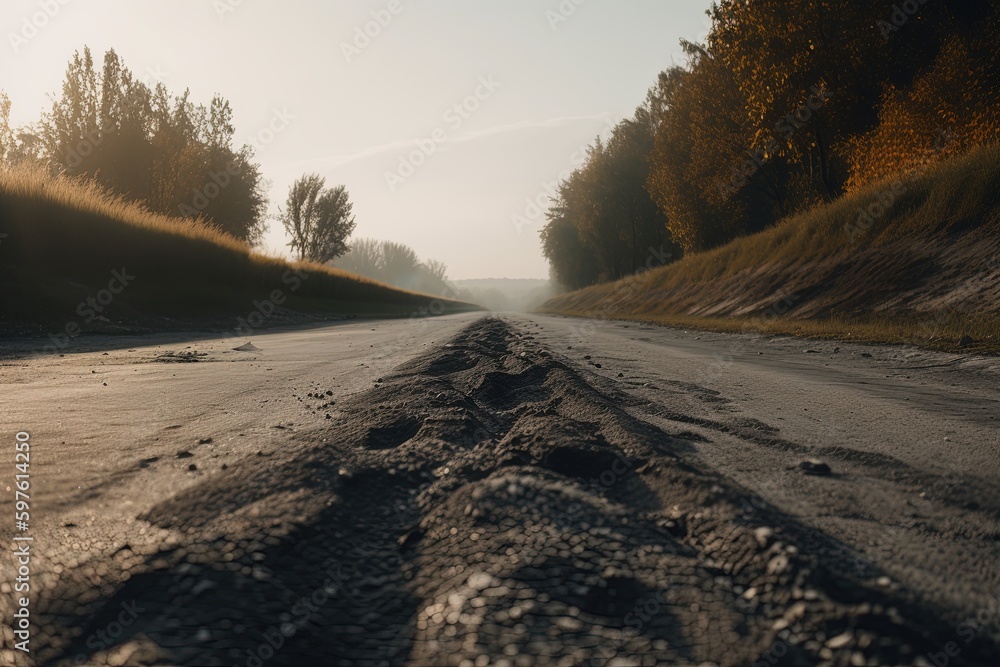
x: 20, y: 146
x: 400, y: 264
x: 318, y: 219
x: 612, y: 215
x: 396, y: 264
x: 573, y: 264
x: 433, y: 278
x: 6, y: 134
x: 176, y: 157
x: 364, y: 258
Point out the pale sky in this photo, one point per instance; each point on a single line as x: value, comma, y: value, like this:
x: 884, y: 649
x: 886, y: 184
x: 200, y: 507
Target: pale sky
x: 550, y: 76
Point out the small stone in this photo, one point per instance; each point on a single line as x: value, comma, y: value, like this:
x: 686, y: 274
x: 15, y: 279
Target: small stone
x: 814, y: 467
x: 192, y: 467
x: 120, y: 655
x: 763, y: 536
x: 966, y: 341
x: 840, y: 641
x: 185, y: 455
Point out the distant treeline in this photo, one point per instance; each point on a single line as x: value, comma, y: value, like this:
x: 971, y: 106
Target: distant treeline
x: 788, y: 104
x: 137, y: 140
x: 396, y: 264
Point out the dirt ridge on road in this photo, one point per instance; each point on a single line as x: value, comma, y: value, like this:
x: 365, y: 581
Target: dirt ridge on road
x: 485, y: 499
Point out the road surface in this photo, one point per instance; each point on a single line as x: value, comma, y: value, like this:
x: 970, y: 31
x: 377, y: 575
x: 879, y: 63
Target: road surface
x: 514, y: 490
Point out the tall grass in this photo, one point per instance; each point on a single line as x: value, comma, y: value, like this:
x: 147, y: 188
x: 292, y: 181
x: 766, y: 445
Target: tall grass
x: 936, y: 231
x: 65, y: 232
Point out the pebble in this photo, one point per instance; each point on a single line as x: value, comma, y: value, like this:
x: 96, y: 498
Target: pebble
x: 814, y: 467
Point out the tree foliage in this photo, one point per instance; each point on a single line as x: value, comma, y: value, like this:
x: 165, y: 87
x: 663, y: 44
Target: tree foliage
x: 791, y: 103
x: 603, y: 224
x: 176, y: 157
x: 396, y: 264
x: 318, y: 219
x: 6, y: 133
x: 786, y: 105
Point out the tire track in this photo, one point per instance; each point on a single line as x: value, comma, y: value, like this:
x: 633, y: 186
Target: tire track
x: 485, y: 504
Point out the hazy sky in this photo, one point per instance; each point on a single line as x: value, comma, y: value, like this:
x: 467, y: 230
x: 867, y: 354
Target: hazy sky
x: 534, y: 80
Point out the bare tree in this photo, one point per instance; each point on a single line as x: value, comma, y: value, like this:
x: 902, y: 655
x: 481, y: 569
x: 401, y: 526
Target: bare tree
x: 399, y: 264
x: 396, y: 264
x: 6, y: 134
x: 318, y: 219
x: 364, y: 258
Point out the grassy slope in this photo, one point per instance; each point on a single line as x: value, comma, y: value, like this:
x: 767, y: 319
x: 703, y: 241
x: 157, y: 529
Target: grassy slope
x: 64, y: 239
x: 924, y: 270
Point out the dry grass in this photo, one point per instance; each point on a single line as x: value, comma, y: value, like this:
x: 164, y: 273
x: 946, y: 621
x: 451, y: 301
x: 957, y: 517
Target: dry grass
x: 923, y: 270
x: 64, y: 237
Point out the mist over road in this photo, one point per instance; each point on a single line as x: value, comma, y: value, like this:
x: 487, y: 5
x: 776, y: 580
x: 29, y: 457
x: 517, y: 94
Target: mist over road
x: 535, y: 490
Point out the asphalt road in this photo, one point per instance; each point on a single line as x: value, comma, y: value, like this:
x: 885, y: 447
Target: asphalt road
x: 515, y: 491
